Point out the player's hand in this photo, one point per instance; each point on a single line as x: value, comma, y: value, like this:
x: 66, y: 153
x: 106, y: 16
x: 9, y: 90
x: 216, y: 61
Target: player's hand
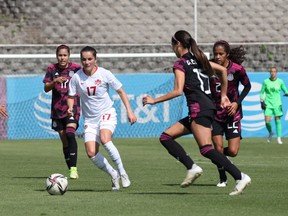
x: 231, y: 110
x: 3, y: 111
x: 225, y: 102
x: 132, y: 118
x: 148, y: 100
x: 263, y: 105
x: 70, y: 112
x: 60, y: 79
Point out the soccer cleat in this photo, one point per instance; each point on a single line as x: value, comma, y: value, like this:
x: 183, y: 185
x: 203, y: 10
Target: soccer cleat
x: 270, y: 137
x: 115, y: 183
x: 192, y: 175
x: 74, y: 173
x: 222, y: 184
x: 279, y: 140
x: 241, y: 184
x: 125, y: 180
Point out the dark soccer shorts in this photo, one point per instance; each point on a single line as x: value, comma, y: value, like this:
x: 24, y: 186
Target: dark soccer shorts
x: 204, y: 118
x: 60, y: 124
x: 230, y: 129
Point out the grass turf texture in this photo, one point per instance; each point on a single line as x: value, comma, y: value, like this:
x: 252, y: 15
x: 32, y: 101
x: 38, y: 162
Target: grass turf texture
x: 155, y: 176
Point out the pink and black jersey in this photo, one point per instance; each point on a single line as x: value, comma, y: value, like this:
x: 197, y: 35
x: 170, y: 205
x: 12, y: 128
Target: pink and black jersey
x: 235, y: 74
x: 197, y: 88
x: 60, y: 91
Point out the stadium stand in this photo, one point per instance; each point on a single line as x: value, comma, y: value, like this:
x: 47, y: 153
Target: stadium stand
x: 140, y: 26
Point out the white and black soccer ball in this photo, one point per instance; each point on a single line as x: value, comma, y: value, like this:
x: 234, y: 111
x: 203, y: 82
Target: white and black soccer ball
x: 56, y: 184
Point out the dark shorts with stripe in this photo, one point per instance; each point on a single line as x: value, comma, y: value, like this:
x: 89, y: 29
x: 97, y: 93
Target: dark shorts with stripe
x: 230, y: 129
x: 204, y: 118
x: 61, y: 124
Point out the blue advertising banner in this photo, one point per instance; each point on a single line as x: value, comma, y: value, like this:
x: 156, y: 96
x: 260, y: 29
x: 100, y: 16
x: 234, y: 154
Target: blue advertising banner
x: 29, y: 107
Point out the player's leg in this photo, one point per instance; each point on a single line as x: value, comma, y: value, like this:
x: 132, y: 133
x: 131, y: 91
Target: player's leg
x: 58, y: 126
x: 92, y: 141
x: 73, y: 149
x: 107, y: 126
x: 278, y: 113
x: 278, y: 129
x: 268, y: 113
x: 217, y: 138
x: 201, y: 128
x: 167, y: 139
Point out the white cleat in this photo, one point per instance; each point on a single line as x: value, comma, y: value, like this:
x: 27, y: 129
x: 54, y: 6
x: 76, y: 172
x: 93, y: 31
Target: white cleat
x: 279, y: 140
x: 115, y: 183
x: 241, y: 184
x: 125, y: 180
x: 270, y: 137
x: 192, y: 175
x: 222, y: 184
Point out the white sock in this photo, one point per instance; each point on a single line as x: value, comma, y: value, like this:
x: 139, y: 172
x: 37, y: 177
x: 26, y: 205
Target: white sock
x: 115, y: 156
x: 101, y: 162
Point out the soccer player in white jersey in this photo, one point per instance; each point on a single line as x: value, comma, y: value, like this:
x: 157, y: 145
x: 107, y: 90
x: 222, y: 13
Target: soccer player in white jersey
x: 92, y: 83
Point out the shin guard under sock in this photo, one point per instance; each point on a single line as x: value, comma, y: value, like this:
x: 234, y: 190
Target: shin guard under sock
x: 176, y: 150
x: 218, y: 158
x: 67, y: 156
x: 72, y: 144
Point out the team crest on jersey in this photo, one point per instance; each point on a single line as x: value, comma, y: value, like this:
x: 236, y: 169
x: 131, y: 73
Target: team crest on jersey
x: 230, y: 77
x: 71, y: 73
x: 97, y: 82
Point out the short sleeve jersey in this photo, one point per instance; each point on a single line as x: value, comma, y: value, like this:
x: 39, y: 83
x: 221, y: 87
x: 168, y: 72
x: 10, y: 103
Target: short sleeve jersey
x: 197, y: 87
x: 60, y: 91
x: 271, y: 90
x: 235, y: 74
x: 94, y: 92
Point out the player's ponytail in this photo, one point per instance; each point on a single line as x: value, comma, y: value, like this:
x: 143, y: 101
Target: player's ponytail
x: 188, y: 42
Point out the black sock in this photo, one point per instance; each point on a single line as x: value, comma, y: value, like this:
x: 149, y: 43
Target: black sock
x: 176, y: 150
x: 66, y: 153
x: 220, y: 159
x: 222, y: 173
x: 225, y: 151
x: 70, y: 134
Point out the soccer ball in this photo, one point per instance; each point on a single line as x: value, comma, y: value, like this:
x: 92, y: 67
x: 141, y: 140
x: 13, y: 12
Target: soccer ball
x: 56, y: 184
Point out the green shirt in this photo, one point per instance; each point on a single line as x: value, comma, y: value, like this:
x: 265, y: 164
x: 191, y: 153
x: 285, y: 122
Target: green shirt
x: 270, y: 92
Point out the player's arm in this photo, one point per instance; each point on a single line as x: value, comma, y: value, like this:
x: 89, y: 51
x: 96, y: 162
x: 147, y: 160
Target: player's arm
x: 177, y: 91
x: 131, y: 117
x: 71, y: 96
x: 222, y: 75
x: 243, y: 78
x: 262, y: 93
x: 284, y: 89
x: 48, y: 86
x: 70, y: 103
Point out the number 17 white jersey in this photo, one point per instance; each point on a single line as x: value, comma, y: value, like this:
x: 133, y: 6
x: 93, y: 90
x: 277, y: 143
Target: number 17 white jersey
x: 94, y: 92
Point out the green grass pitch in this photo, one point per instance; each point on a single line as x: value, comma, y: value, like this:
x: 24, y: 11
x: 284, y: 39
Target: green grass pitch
x: 155, y: 178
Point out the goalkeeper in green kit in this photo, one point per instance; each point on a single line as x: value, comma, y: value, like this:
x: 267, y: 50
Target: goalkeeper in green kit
x: 271, y: 103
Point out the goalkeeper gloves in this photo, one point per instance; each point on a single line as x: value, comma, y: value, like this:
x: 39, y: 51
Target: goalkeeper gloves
x: 263, y: 105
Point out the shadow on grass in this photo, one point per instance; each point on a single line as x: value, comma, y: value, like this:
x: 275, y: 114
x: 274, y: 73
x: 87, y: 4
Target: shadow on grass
x: 173, y: 193
x: 78, y: 190
x: 30, y: 177
x: 194, y: 185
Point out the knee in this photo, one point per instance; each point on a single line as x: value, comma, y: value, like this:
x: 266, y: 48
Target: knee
x: 232, y: 152
x: 163, y: 137
x: 70, y: 132
x: 219, y: 148
x: 90, y: 153
x: 91, y: 149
